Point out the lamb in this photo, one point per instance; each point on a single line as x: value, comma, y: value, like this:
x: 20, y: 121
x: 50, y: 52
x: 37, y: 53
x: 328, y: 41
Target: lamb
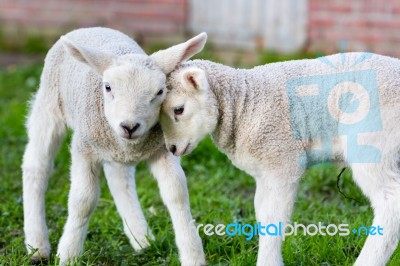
x: 274, y: 121
x: 102, y: 85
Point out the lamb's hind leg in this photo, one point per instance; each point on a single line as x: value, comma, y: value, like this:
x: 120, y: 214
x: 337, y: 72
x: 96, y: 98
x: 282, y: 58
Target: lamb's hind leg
x: 45, y: 131
x: 273, y: 202
x: 121, y: 181
x: 382, y: 187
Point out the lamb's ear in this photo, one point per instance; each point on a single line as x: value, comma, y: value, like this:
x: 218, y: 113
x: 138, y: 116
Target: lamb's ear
x: 195, y: 79
x: 98, y: 60
x: 169, y: 58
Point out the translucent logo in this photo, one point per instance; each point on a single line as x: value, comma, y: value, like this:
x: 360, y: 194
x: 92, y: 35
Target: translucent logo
x: 339, y: 104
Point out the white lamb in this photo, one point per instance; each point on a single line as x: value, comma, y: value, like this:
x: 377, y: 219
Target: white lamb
x: 101, y: 84
x: 275, y: 120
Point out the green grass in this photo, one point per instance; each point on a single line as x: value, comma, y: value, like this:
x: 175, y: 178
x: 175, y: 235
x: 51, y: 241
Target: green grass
x: 219, y: 193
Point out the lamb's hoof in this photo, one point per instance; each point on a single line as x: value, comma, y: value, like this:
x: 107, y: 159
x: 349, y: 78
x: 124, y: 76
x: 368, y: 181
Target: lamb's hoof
x: 139, y: 247
x: 142, y: 243
x: 195, y: 260
x: 39, y: 261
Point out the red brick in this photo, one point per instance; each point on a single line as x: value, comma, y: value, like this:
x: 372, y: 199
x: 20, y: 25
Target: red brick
x: 154, y: 16
x: 368, y: 24
x: 322, y: 22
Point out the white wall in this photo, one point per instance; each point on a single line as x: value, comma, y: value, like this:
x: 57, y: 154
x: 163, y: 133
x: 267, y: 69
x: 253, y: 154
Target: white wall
x: 269, y: 24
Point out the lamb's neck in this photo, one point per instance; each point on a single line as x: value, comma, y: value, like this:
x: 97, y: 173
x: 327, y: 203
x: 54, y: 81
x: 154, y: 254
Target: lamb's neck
x: 229, y: 86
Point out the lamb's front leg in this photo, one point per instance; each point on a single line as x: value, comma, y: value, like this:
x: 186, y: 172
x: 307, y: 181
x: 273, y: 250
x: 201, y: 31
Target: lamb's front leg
x: 82, y: 200
x: 172, y: 184
x: 273, y: 203
x: 121, y: 181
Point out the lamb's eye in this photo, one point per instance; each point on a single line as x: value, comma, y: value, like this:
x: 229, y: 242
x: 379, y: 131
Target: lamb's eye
x: 107, y: 87
x: 179, y: 110
x: 160, y: 92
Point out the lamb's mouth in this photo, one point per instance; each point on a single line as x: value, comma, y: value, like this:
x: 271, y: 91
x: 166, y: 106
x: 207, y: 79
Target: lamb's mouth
x: 131, y: 137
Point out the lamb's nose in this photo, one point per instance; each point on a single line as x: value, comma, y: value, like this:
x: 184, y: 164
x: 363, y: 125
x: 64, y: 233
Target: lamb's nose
x: 172, y: 149
x: 130, y: 128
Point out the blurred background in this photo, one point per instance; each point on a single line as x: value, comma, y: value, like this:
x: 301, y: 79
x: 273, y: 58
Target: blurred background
x: 248, y: 26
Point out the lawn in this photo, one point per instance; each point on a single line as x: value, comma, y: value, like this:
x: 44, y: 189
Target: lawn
x: 219, y: 193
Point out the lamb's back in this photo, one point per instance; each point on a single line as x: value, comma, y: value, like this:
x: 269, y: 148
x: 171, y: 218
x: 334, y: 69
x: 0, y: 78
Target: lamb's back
x: 273, y: 123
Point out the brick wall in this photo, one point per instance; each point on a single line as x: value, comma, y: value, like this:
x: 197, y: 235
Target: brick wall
x: 362, y: 24
x: 54, y: 17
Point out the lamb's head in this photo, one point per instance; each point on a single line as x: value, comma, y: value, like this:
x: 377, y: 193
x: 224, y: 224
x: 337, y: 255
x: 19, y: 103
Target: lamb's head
x: 133, y: 85
x: 189, y: 111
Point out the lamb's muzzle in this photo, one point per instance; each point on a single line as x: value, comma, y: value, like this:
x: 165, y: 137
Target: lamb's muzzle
x: 129, y: 129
